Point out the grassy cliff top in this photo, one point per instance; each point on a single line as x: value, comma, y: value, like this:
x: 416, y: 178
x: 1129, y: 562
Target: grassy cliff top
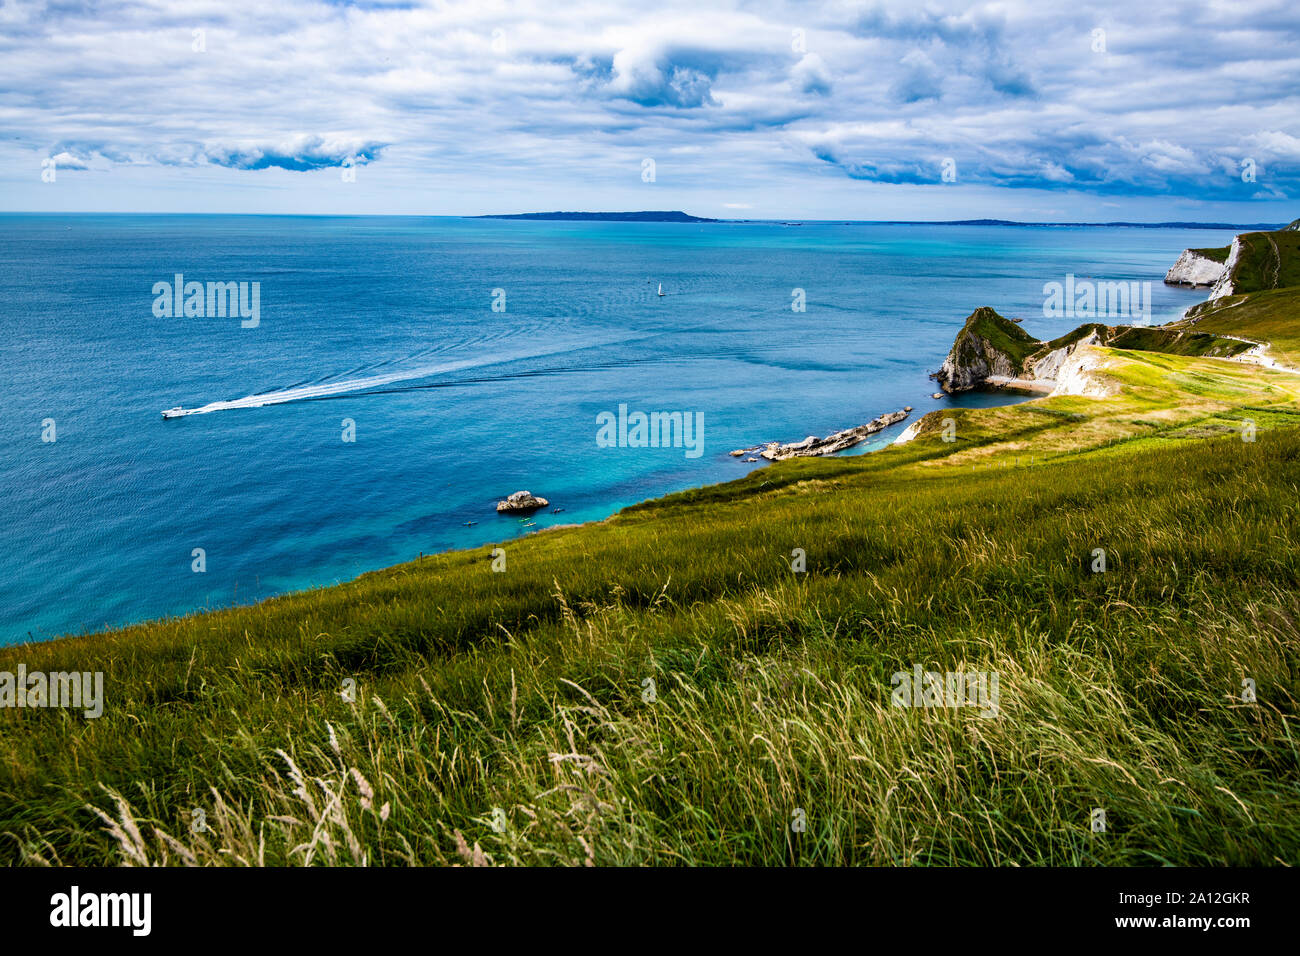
x: 1175, y: 342
x: 1171, y: 341
x: 1069, y: 338
x: 1000, y: 332
x: 1218, y: 255
x: 1268, y: 260
x: 1266, y: 303
x: 1272, y: 316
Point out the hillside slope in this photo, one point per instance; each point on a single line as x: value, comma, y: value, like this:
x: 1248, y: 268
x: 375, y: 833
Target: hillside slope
x: 509, y: 716
x: 1271, y: 317
x: 1260, y: 261
x: 682, y: 682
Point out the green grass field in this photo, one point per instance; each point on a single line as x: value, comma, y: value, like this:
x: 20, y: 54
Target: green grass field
x: 666, y: 687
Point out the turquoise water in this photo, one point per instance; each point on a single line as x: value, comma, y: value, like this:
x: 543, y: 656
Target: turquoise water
x: 391, y: 322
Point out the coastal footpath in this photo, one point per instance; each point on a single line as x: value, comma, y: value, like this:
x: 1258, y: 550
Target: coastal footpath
x: 682, y: 682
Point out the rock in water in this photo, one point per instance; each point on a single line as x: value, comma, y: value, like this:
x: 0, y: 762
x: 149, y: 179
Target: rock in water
x: 522, y: 501
x: 813, y: 446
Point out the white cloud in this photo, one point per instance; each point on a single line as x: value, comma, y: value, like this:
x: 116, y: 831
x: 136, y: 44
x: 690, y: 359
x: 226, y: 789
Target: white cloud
x: 810, y: 75
x: 542, y: 98
x: 66, y: 160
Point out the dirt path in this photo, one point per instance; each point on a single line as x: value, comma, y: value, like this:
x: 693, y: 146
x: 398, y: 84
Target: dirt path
x: 1277, y: 260
x: 1256, y: 354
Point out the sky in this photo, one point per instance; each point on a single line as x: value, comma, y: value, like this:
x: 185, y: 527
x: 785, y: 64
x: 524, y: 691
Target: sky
x: 1036, y: 111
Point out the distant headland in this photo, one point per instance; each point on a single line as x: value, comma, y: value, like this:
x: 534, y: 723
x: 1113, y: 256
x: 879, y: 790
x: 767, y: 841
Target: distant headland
x: 675, y: 215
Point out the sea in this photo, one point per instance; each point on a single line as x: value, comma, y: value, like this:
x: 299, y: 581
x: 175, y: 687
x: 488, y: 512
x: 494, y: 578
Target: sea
x: 399, y: 376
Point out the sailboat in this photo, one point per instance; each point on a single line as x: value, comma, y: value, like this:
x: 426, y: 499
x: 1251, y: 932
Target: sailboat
x: 661, y: 289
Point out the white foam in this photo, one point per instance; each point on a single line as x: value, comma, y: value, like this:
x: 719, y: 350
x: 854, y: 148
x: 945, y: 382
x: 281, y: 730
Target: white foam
x: 321, y: 391
x: 368, y: 382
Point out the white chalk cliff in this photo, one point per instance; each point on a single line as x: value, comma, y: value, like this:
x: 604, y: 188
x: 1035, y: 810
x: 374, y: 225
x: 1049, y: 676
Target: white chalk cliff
x: 1079, y: 374
x: 1194, y: 269
x: 1048, y: 367
x: 1224, y: 285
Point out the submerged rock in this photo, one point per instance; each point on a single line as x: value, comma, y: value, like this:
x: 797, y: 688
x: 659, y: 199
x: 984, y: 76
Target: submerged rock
x: 522, y: 501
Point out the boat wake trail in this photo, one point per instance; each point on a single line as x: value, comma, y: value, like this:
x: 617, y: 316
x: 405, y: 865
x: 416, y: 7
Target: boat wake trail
x: 389, y: 382
x: 297, y: 394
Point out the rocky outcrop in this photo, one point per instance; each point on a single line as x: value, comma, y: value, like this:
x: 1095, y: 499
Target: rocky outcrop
x: 988, y: 345
x: 992, y: 352
x: 521, y: 501
x: 812, y: 446
x: 1195, y: 269
x: 987, y: 355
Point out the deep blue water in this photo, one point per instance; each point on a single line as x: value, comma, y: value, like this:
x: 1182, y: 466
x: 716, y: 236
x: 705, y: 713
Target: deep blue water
x: 99, y: 525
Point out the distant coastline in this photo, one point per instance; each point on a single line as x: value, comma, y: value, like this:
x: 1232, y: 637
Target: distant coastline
x: 647, y: 216
x: 642, y: 216
x: 1253, y: 226
x: 676, y: 215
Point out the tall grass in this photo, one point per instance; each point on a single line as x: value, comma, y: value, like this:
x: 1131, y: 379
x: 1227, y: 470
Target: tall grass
x: 508, y: 717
